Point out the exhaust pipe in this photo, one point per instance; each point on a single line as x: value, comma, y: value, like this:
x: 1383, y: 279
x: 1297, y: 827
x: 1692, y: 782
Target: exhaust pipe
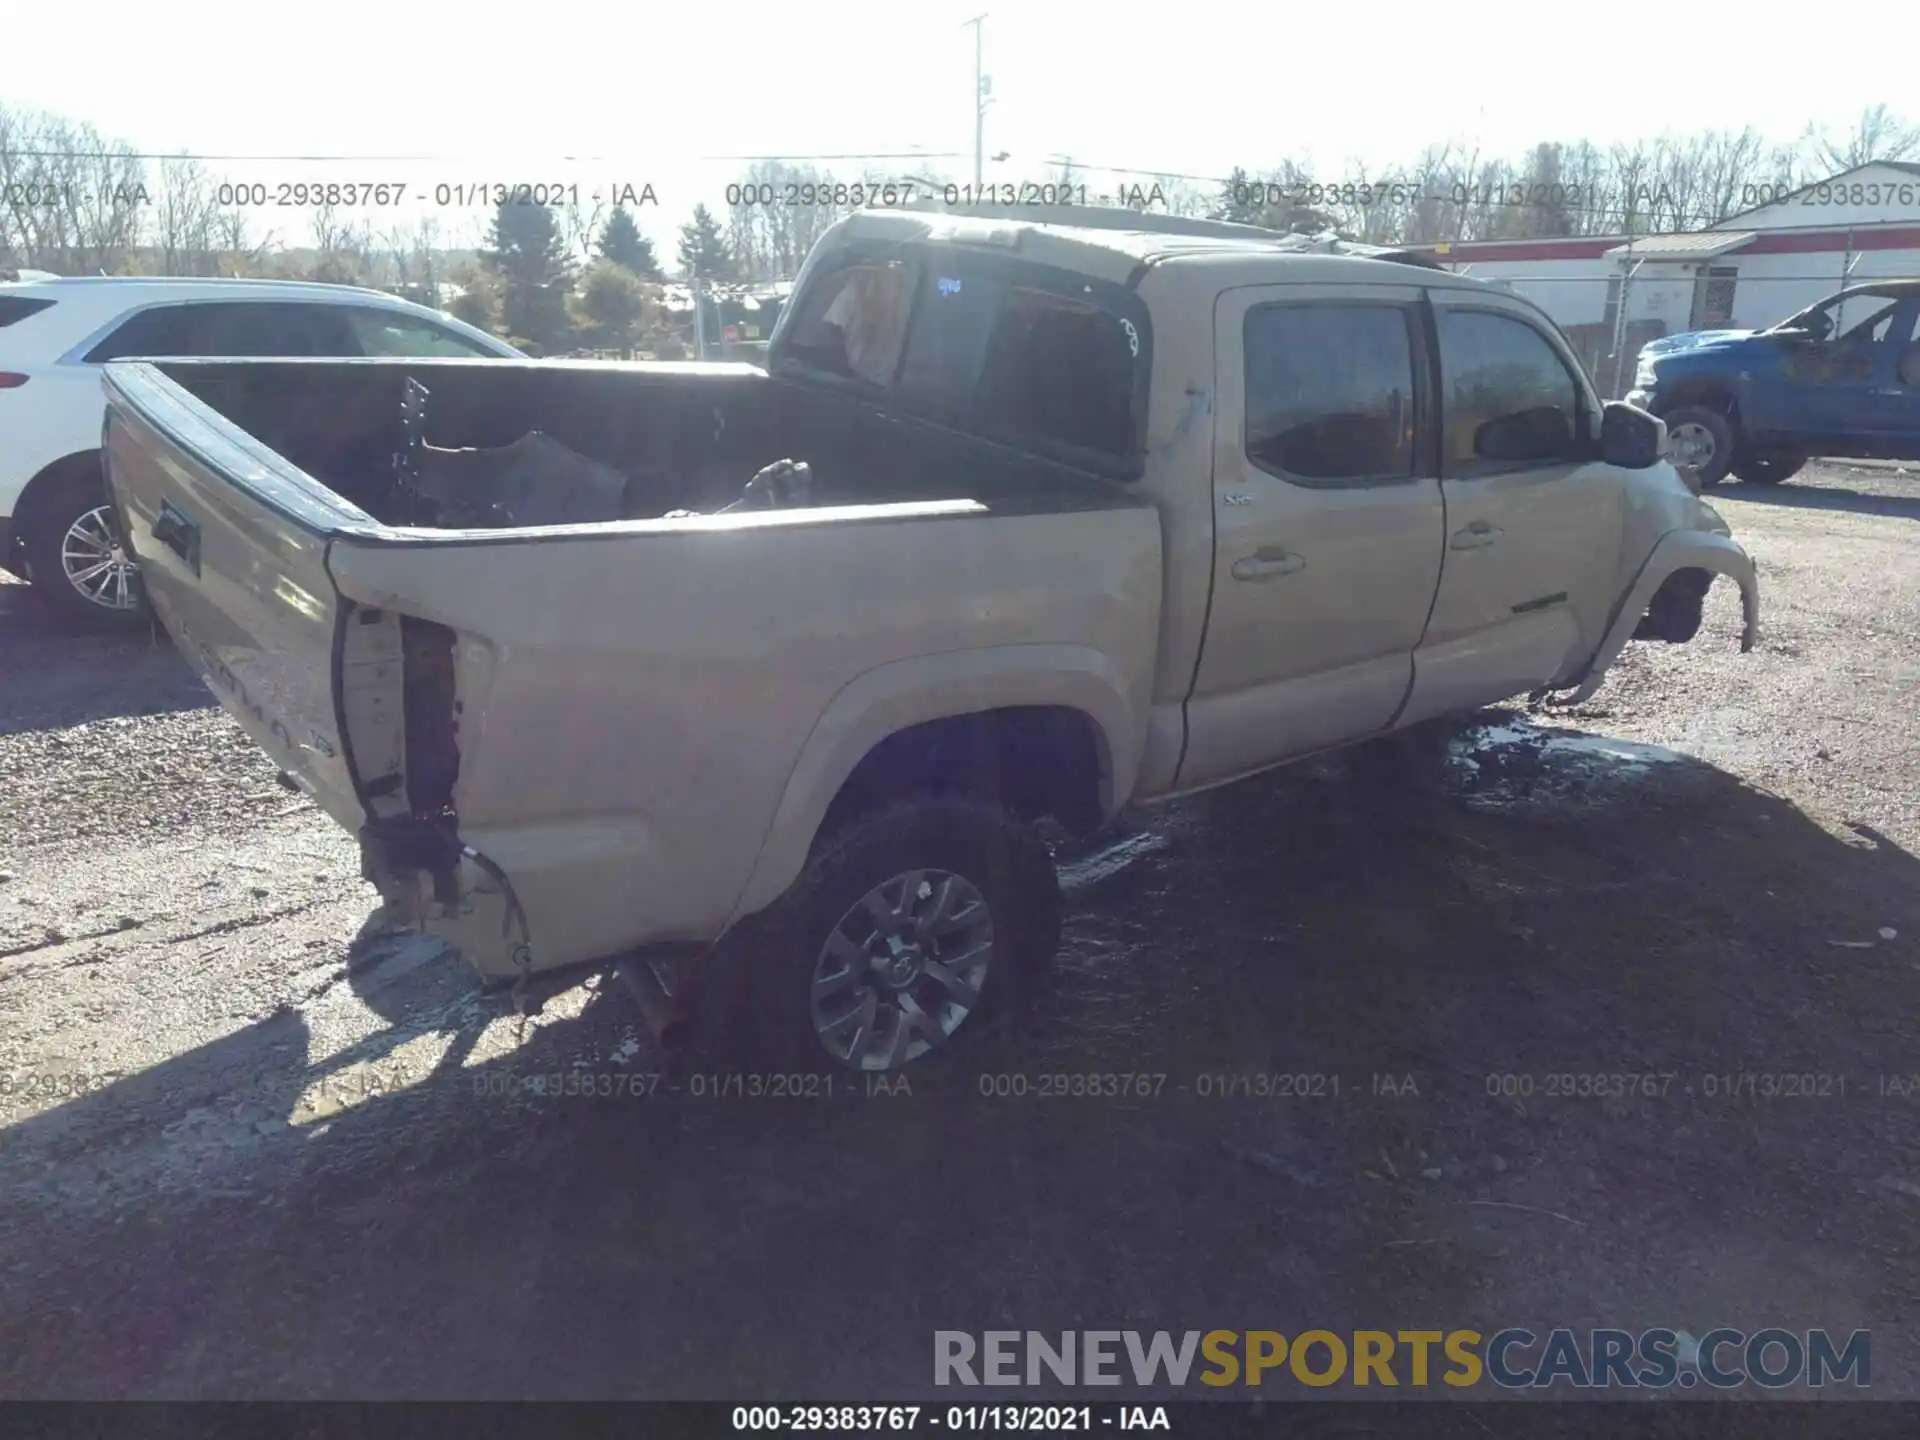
x: 665, y: 1020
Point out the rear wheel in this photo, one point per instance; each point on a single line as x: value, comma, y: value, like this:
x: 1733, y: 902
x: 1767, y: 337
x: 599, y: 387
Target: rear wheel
x: 78, y: 561
x: 903, y: 932
x: 1702, y: 440
x: 1768, y: 469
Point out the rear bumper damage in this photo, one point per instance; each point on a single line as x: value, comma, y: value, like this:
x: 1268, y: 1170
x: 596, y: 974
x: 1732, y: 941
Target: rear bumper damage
x: 430, y: 880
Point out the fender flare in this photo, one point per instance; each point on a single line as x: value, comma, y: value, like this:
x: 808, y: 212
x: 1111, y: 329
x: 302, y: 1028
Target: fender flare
x: 903, y: 693
x: 1676, y: 550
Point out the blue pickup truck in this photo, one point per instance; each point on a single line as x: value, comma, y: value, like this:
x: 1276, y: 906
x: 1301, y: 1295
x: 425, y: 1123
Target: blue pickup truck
x: 1840, y: 378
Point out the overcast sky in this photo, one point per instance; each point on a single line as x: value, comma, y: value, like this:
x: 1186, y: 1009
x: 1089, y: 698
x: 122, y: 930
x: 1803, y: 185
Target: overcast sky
x: 666, y: 92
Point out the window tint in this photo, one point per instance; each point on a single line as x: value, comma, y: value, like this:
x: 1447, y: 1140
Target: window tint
x: 951, y: 332
x: 1509, y: 398
x: 853, y: 323
x: 1330, y: 391
x: 390, y: 332
x: 266, y: 329
x: 231, y: 329
x: 1061, y: 370
x: 1022, y: 364
x: 165, y: 330
x: 19, y: 307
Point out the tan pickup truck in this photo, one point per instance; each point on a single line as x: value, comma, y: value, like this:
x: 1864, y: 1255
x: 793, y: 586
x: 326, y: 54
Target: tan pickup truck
x: 1094, y: 514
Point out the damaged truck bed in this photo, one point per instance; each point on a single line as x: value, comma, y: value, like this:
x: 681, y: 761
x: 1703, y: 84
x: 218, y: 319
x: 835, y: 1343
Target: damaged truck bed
x: 572, y: 738
x: 1023, y: 523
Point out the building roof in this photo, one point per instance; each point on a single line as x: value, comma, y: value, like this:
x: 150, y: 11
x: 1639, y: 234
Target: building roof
x: 1692, y: 245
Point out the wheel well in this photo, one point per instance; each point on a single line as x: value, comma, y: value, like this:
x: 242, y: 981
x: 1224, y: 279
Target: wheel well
x: 1040, y: 761
x: 78, y: 467
x: 1675, y: 612
x: 1708, y: 396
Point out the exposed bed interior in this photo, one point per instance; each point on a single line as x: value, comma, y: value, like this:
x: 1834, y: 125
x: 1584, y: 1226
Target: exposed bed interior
x: 546, y: 444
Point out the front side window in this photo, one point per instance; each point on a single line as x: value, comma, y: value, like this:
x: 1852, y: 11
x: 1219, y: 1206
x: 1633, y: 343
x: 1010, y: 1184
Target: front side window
x: 271, y: 330
x: 1509, y: 398
x: 1330, y: 392
x: 393, y: 333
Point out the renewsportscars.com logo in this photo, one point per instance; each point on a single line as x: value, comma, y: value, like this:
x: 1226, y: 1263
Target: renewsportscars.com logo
x: 1513, y: 1359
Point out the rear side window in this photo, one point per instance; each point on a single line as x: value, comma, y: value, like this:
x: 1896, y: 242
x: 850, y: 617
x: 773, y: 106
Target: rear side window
x: 1510, y: 399
x: 166, y: 330
x: 1330, y: 392
x: 231, y: 329
x: 15, y: 308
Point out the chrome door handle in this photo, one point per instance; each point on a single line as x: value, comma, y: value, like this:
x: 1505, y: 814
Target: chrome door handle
x: 1268, y: 563
x: 1476, y: 535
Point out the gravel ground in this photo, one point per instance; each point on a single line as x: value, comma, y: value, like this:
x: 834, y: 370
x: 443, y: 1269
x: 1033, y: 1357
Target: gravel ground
x: 308, y: 1160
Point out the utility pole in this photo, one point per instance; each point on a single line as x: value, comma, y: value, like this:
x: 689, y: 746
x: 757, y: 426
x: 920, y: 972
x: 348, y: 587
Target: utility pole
x: 982, y: 87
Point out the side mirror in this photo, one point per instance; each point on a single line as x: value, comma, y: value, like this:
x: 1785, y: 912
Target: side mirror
x: 1630, y: 437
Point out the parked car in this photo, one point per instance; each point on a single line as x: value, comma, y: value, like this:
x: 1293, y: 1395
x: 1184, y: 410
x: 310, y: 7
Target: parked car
x: 1096, y: 516
x: 1839, y: 378
x: 56, y: 333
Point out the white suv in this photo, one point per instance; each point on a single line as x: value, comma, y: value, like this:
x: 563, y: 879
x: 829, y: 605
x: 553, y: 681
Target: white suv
x: 55, y: 527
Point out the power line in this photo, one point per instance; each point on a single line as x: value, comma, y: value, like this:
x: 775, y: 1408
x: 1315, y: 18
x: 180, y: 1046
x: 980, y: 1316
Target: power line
x: 457, y: 159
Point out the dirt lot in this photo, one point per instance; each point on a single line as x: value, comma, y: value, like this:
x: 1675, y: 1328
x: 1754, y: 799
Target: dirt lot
x: 310, y: 1161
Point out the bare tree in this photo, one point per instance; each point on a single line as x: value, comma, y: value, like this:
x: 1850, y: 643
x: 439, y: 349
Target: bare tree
x: 71, y: 200
x: 1876, y: 135
x: 580, y: 224
x: 343, y: 251
x: 184, y: 219
x: 777, y: 212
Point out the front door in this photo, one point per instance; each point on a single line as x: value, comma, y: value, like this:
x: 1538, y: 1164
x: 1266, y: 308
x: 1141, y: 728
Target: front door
x: 1833, y: 387
x: 1532, y: 516
x: 1896, y: 387
x: 1327, y: 523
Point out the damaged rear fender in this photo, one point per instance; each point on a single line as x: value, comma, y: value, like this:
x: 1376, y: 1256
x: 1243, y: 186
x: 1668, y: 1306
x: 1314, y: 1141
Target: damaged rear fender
x: 901, y: 694
x: 1677, y: 550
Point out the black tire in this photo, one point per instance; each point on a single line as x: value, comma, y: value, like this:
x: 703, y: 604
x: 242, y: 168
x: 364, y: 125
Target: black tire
x: 766, y: 990
x: 1768, y: 469
x: 1718, y: 433
x: 79, y: 499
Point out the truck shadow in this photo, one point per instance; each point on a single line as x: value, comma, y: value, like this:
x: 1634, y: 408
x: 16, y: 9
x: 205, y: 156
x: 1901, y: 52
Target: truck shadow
x: 1821, y: 497
x: 80, y: 675
x: 1557, y: 903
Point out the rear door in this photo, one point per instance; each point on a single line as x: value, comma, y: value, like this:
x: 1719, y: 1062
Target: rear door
x: 232, y: 544
x: 1327, y: 523
x: 1533, y: 518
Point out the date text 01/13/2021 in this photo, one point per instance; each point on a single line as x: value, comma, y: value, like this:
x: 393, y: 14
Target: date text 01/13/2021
x: 1041, y: 1419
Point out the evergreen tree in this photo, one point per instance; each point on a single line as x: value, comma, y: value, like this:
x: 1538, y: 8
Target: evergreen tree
x: 526, y: 250
x: 703, y: 249
x: 622, y: 243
